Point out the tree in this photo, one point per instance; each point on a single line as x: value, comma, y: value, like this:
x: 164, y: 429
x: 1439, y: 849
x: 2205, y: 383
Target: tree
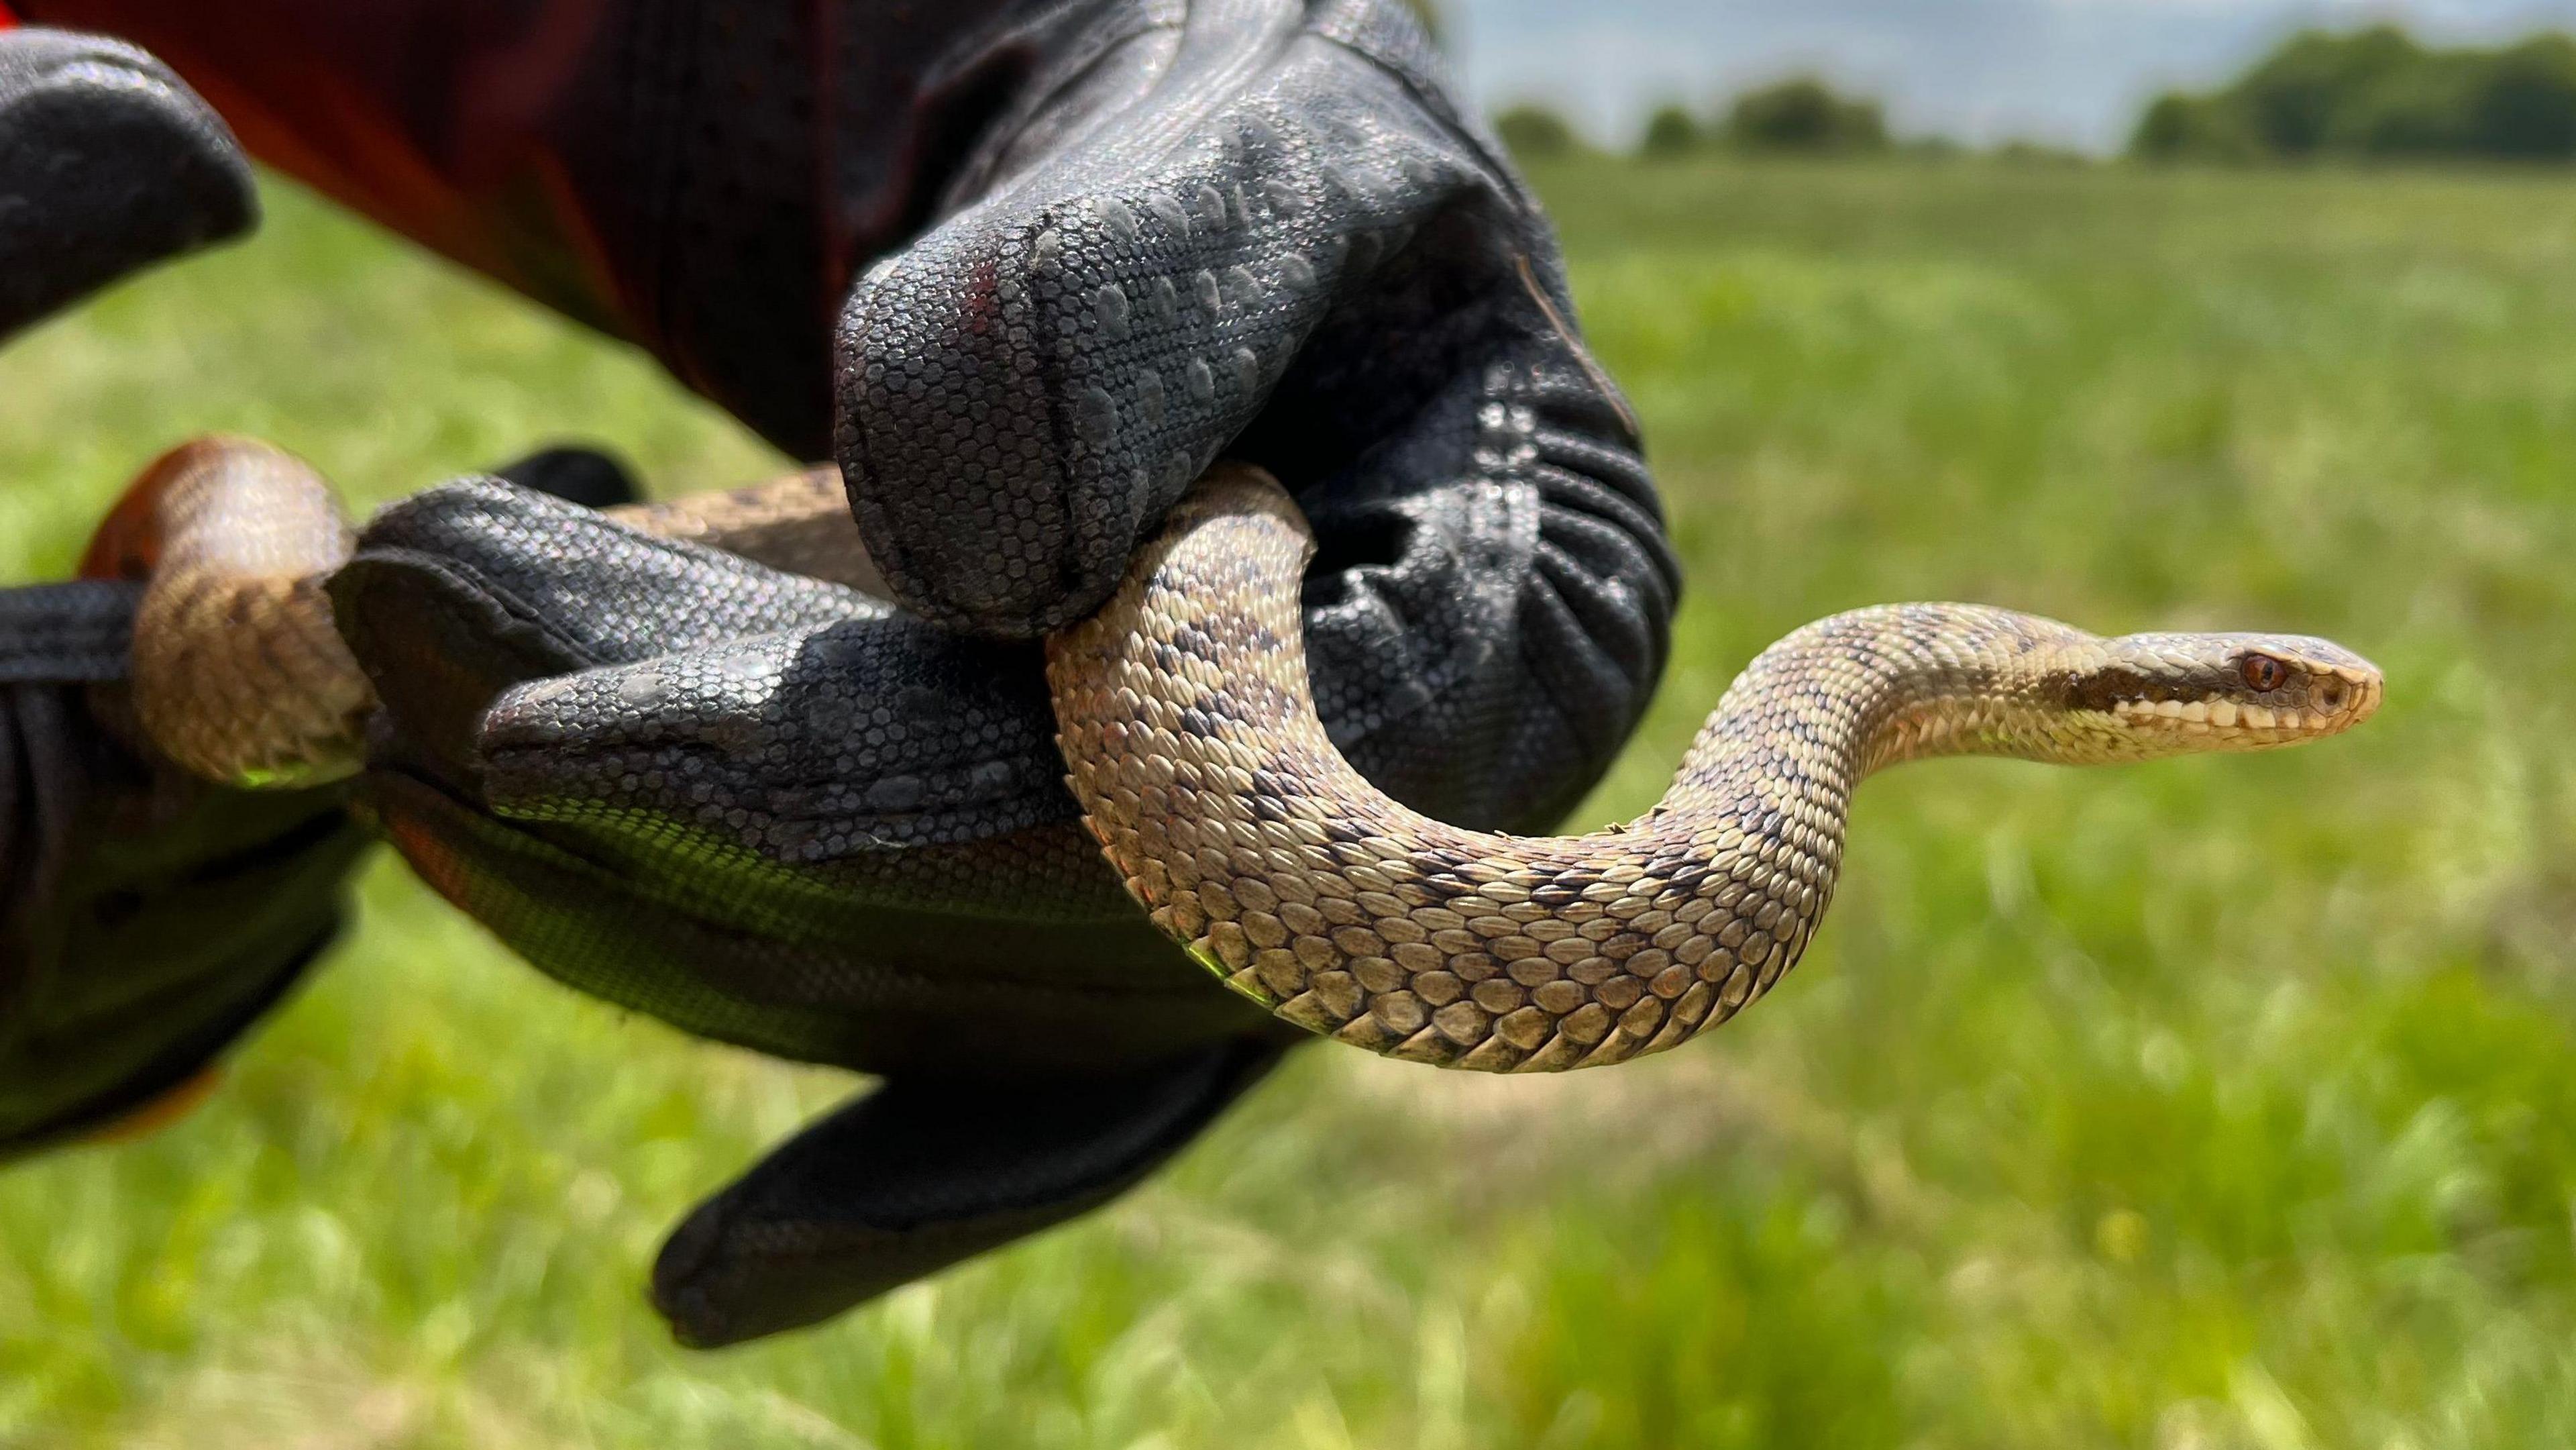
x: 2177, y: 126
x: 2527, y: 106
x: 1670, y: 132
x: 2377, y: 92
x: 1805, y: 114
x: 2316, y: 89
x: 1533, y: 132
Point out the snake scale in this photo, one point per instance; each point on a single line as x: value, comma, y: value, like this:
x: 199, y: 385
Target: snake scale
x: 1193, y: 746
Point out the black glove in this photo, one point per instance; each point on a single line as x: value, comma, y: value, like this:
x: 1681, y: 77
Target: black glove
x: 903, y: 890
x: 775, y: 812
x: 108, y: 164
x: 145, y: 921
x: 1259, y: 227
x: 705, y: 837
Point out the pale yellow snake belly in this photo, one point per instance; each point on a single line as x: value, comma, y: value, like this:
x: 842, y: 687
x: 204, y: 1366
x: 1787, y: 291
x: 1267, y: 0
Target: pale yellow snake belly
x: 1193, y: 746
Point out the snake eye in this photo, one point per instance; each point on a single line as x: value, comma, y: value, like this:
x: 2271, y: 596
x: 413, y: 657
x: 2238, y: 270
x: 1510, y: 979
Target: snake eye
x: 2263, y: 673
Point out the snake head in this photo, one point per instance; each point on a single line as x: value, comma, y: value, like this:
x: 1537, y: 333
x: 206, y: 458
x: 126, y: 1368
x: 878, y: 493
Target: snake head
x: 2144, y: 696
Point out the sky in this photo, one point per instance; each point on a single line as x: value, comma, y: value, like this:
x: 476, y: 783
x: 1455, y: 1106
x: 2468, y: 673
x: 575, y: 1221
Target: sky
x: 2069, y: 72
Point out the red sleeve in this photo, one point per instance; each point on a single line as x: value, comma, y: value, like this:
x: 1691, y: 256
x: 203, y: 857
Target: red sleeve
x: 432, y: 117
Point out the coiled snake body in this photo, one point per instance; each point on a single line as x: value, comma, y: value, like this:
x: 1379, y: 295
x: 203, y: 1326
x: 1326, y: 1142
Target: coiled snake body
x: 1193, y: 746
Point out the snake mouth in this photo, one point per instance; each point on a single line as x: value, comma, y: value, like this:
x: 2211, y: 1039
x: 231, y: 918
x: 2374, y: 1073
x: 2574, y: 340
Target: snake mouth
x: 2219, y: 717
x: 2307, y: 701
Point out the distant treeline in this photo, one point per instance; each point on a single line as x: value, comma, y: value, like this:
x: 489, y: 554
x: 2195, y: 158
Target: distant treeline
x: 1802, y: 115
x: 2377, y: 93
x: 1798, y: 114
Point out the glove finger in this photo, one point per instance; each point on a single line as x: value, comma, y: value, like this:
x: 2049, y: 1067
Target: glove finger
x: 728, y: 946
x: 151, y: 920
x: 51, y: 635
x: 459, y: 592
x: 263, y: 863
x: 1491, y: 605
x: 1489, y: 609
x: 76, y: 632
x: 589, y: 477
x: 924, y: 1173
x: 1017, y: 947
x: 1024, y: 391
x: 108, y: 164
x: 870, y: 737
x: 57, y: 1088
x: 850, y: 745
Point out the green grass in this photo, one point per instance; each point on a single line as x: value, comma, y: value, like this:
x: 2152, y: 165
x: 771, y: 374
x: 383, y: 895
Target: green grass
x: 2210, y: 1104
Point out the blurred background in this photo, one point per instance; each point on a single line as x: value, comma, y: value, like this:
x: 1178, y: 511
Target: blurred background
x: 2226, y: 1102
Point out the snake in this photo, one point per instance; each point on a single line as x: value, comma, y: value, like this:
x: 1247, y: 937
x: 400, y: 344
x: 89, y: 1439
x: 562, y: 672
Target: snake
x: 1193, y: 747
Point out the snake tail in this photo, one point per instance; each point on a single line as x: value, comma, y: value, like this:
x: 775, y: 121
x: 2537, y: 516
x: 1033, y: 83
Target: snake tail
x: 239, y: 674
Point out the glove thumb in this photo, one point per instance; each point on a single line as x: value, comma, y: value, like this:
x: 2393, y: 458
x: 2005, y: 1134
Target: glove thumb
x: 108, y: 164
x: 926, y: 1172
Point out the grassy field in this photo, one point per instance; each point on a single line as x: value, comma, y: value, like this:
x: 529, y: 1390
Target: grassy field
x: 2211, y: 1104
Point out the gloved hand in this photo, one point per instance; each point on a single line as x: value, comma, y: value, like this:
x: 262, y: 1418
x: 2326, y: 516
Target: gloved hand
x: 1259, y: 227
x: 875, y: 864
x: 783, y: 816
x: 796, y: 821
x: 776, y: 812
x: 145, y: 921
